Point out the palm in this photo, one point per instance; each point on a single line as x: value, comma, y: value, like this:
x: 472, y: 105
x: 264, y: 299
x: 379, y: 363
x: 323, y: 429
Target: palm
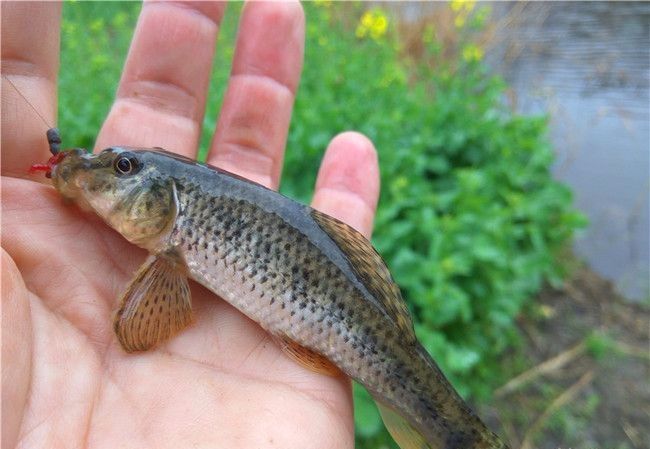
x: 220, y: 383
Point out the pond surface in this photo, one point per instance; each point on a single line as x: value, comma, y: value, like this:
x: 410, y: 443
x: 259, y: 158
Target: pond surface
x: 588, y: 66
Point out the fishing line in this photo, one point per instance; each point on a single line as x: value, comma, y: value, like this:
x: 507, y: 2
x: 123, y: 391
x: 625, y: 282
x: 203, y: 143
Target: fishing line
x: 27, y: 101
x: 53, y: 136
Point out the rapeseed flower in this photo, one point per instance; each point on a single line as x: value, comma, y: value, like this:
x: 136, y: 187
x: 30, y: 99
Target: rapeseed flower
x: 462, y: 8
x: 472, y: 53
x: 460, y: 5
x: 373, y: 23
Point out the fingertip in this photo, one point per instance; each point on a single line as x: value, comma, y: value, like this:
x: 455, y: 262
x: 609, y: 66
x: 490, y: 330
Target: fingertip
x: 211, y: 10
x: 350, y: 164
x: 290, y: 11
x: 348, y: 181
x: 355, y: 141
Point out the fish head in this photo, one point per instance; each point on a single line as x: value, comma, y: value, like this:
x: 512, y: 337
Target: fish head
x: 123, y: 186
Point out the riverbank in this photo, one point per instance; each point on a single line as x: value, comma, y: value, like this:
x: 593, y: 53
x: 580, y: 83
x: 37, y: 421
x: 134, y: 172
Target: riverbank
x: 585, y: 385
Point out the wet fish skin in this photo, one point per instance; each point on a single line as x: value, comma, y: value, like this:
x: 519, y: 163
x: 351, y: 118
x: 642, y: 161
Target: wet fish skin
x: 303, y: 276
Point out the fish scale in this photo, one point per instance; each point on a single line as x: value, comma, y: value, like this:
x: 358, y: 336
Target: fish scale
x: 310, y: 280
x: 260, y: 269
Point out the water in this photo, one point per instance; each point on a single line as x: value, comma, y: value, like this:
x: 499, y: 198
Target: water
x: 588, y: 66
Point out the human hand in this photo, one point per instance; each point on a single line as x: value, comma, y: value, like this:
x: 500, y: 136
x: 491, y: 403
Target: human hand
x: 222, y: 382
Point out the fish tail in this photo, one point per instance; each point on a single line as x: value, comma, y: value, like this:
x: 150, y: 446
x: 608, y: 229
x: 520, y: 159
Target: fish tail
x: 465, y: 430
x: 442, y: 419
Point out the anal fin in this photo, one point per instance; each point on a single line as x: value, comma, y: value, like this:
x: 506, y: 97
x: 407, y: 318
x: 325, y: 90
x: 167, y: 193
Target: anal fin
x: 402, y: 432
x: 307, y: 358
x: 155, y: 306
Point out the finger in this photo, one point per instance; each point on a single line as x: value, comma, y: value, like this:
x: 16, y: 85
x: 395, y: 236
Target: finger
x: 29, y: 70
x: 161, y: 98
x: 347, y: 187
x: 252, y: 128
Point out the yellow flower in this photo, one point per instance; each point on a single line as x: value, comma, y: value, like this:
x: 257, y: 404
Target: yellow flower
x: 373, y: 23
x: 463, y: 8
x: 378, y: 28
x: 367, y: 19
x: 472, y: 53
x: 466, y: 5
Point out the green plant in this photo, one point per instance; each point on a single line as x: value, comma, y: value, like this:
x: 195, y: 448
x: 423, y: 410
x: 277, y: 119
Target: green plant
x: 470, y: 220
x: 600, y: 344
x: 94, y: 41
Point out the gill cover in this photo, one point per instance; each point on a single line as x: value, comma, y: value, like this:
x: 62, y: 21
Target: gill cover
x: 128, y: 192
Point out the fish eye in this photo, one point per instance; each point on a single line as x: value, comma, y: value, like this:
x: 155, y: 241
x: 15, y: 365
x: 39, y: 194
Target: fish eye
x: 126, y: 164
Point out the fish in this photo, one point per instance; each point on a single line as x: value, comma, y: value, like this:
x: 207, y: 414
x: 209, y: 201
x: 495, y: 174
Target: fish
x: 315, y: 284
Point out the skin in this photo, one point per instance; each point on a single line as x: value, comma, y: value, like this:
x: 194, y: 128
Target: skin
x: 222, y: 382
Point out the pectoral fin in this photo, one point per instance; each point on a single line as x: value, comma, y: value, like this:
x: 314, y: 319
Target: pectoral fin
x: 307, y: 358
x: 155, y: 305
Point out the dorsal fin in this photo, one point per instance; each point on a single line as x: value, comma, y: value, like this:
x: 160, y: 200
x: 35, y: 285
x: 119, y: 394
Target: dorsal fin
x: 370, y: 269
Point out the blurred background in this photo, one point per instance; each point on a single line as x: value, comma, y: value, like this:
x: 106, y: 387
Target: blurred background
x: 513, y: 140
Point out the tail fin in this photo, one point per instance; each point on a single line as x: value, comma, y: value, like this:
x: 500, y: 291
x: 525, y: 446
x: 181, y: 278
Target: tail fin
x: 426, y: 412
x: 408, y: 437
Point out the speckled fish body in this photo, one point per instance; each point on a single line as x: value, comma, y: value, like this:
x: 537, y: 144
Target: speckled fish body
x: 305, y: 277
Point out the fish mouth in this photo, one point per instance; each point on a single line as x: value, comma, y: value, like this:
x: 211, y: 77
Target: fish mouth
x: 50, y: 165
